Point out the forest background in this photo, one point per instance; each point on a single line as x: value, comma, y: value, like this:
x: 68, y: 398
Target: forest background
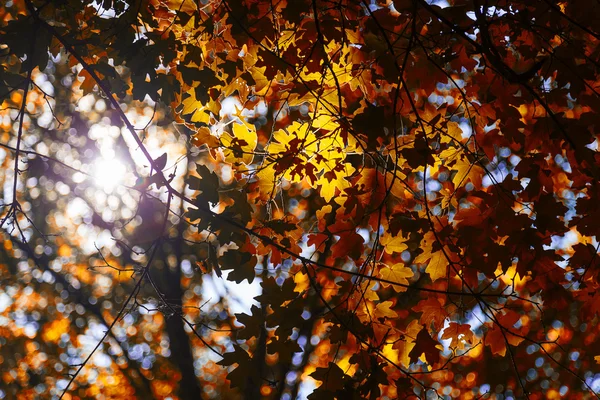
x: 307, y: 198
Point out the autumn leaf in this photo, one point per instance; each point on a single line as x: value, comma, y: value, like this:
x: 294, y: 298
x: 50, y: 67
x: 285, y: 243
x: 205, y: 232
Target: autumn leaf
x: 466, y: 171
x: 424, y: 344
x: 393, y: 244
x: 350, y: 244
x: 396, y: 273
x: 383, y: 310
x: 459, y: 335
x: 266, y: 182
x: 332, y: 377
x: 335, y: 181
x: 454, y: 134
x: 433, y: 312
x: 239, y: 146
x: 244, y: 374
x: 503, y: 333
x: 369, y: 291
x: 203, y: 136
x: 406, y: 342
x: 437, y: 266
x: 253, y: 323
x: 242, y: 265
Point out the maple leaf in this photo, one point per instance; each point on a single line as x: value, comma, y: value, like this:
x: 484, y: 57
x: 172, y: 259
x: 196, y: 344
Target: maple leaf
x: 393, y: 243
x: 396, y: 273
x: 406, y: 342
x: 190, y: 105
x: 453, y: 134
x: 433, y: 312
x: 437, y: 264
x: 500, y: 334
x: 241, y: 263
x: 252, y: 323
x: 266, y: 182
x: 208, y: 185
x: 285, y: 349
x: 244, y: 374
x: 466, y: 171
x: 424, y: 344
x: 383, y: 310
x: 459, y: 334
x: 318, y: 240
x: 349, y: 244
x: 239, y: 146
x: 335, y: 180
x: 368, y: 288
x: 203, y: 136
x: 332, y: 377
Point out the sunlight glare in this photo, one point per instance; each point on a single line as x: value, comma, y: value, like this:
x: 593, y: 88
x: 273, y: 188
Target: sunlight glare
x: 109, y: 173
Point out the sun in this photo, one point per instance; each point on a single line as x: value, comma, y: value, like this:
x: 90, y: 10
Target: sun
x: 108, y: 173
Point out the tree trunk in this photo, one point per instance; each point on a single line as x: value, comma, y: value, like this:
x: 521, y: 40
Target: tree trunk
x: 181, y: 352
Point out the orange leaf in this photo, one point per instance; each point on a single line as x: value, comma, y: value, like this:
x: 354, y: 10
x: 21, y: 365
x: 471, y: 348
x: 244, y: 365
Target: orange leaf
x: 433, y: 312
x: 459, y: 335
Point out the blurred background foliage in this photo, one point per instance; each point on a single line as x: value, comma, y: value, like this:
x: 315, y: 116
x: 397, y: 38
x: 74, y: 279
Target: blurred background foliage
x: 248, y: 199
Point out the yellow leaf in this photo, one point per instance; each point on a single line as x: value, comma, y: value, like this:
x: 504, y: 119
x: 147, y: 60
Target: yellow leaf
x: 394, y: 183
x: 188, y: 7
x: 204, y: 136
x: 368, y: 292
x: 438, y: 266
x: 426, y: 246
x: 194, y: 107
x: 396, y: 273
x: 302, y: 282
x: 511, y: 277
x: 454, y: 134
x: 240, y: 146
x: 466, y: 170
x: 324, y: 122
x: 383, y: 310
x: 294, y: 149
x: 332, y: 180
x: 393, y: 243
x: 353, y: 37
x: 407, y: 342
x: 597, y: 358
x: 448, y: 199
x: 266, y: 182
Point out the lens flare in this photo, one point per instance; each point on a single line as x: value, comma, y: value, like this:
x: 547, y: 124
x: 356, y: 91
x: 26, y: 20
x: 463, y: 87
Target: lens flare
x: 109, y: 173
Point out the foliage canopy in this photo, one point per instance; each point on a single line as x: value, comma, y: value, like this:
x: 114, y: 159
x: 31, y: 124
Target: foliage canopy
x: 339, y: 199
